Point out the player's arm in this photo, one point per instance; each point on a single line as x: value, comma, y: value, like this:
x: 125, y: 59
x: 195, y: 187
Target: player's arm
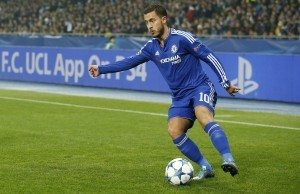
x: 205, y: 54
x: 127, y: 63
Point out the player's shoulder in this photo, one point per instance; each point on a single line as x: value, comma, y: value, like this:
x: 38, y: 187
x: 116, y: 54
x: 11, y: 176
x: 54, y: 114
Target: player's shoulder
x: 183, y: 35
x: 147, y: 48
x: 149, y: 44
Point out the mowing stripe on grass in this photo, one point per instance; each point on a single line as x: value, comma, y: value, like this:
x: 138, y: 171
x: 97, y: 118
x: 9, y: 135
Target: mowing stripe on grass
x: 139, y: 112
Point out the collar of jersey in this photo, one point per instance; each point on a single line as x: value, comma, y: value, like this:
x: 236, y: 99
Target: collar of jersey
x: 165, y: 41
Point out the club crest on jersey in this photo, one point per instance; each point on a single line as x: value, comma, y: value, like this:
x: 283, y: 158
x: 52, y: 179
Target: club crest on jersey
x: 174, y: 49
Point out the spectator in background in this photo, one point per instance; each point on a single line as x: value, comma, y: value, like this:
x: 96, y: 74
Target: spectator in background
x: 68, y: 25
x: 215, y: 17
x: 111, y: 42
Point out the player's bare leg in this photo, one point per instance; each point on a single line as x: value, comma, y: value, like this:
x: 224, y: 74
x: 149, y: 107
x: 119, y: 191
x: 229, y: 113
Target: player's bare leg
x: 218, y: 138
x: 178, y: 126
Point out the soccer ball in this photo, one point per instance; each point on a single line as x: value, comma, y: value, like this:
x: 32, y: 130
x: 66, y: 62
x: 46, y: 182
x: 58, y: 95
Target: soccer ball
x: 179, y: 171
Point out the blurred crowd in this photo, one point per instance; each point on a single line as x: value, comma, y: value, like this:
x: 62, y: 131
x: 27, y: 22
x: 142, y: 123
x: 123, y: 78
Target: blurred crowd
x: 215, y: 17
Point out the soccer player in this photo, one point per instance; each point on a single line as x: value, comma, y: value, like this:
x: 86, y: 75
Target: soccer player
x: 177, y: 55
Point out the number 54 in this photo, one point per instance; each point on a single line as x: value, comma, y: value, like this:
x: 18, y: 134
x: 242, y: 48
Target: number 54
x: 139, y: 71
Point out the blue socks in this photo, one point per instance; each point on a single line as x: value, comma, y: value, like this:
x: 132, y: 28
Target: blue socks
x: 217, y: 137
x: 190, y: 150
x: 219, y: 140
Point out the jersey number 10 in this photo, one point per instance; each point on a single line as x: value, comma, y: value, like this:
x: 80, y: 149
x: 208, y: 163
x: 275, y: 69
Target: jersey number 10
x: 204, y: 97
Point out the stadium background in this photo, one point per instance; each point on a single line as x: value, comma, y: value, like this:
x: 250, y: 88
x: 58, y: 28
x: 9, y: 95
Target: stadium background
x: 46, y: 46
x: 256, y: 40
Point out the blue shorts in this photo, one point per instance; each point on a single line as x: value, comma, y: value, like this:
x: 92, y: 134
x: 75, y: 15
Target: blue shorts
x: 203, y: 95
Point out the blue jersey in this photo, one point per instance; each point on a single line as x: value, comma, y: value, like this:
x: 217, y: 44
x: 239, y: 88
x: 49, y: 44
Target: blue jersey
x: 179, y: 61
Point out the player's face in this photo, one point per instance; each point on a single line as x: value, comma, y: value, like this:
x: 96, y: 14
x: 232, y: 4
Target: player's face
x: 155, y: 24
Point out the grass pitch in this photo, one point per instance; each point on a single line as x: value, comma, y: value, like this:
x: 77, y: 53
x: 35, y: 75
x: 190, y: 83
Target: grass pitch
x: 66, y: 144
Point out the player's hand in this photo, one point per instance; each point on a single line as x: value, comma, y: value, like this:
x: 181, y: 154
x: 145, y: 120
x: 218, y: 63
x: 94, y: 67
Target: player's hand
x: 94, y: 71
x: 232, y: 90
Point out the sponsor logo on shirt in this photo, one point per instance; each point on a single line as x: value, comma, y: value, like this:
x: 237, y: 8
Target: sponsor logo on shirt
x: 174, y: 60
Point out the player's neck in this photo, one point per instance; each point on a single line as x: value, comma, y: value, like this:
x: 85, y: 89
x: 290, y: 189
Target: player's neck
x: 164, y: 36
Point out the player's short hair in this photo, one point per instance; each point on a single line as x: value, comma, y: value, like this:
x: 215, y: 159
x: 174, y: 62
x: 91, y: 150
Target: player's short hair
x: 159, y: 9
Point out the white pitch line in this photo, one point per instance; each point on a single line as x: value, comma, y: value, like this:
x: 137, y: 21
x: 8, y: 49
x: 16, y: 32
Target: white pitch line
x: 140, y: 112
x: 83, y: 106
x: 259, y: 125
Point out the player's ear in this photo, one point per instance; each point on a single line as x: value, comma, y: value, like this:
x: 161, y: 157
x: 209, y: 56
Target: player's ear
x: 164, y: 19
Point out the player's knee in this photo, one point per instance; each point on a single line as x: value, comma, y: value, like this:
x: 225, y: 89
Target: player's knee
x: 178, y: 126
x: 174, y: 132
x: 204, y: 116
